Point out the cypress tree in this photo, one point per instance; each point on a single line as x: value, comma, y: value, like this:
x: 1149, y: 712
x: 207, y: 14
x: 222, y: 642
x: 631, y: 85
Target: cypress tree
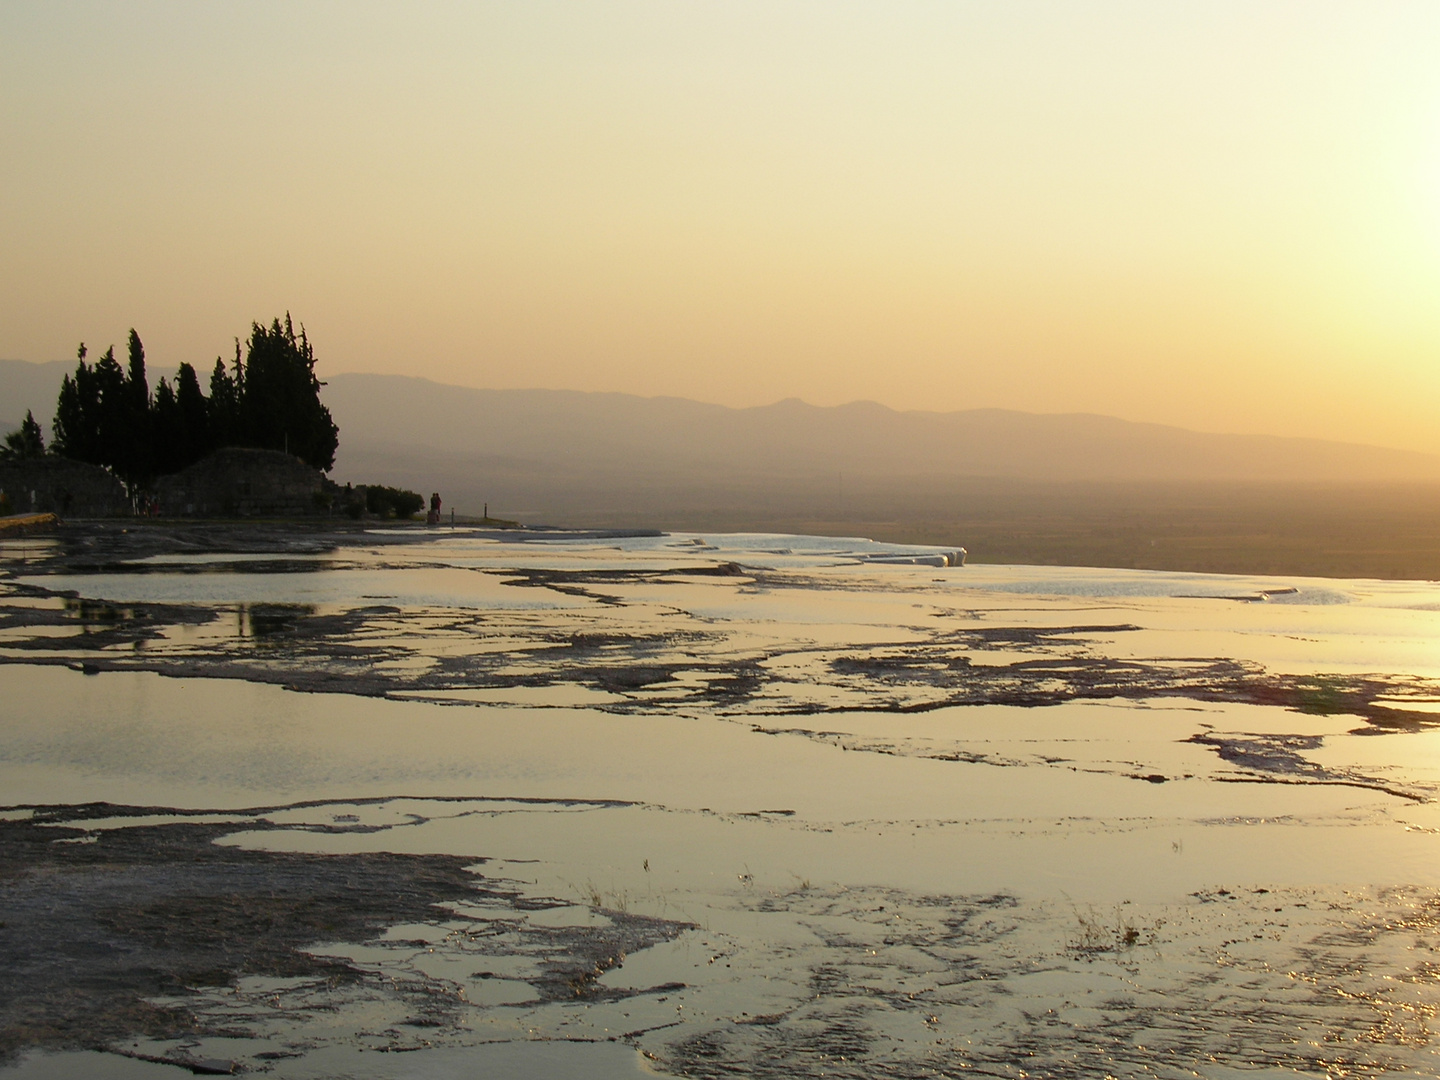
x: 113, y: 411
x: 135, y: 456
x: 66, y: 427
x: 167, y: 450
x: 194, y: 417
x: 224, y: 406
x: 280, y: 396
x: 76, y: 429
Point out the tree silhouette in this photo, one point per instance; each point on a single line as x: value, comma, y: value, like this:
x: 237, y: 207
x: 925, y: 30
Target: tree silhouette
x: 27, y: 441
x: 194, y: 416
x: 76, y: 429
x: 107, y: 416
x: 167, y: 450
x: 103, y: 415
x: 224, y: 404
x: 135, y: 454
x: 280, y: 396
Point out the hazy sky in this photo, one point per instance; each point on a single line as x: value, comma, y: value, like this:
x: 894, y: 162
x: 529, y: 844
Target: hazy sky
x: 1220, y: 215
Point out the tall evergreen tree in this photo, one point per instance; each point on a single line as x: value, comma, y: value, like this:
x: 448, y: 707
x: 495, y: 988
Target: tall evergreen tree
x: 112, y: 416
x: 67, y: 427
x: 167, y: 449
x: 194, y: 416
x: 280, y: 396
x: 224, y: 405
x: 135, y: 457
x: 135, y: 376
x: 76, y: 429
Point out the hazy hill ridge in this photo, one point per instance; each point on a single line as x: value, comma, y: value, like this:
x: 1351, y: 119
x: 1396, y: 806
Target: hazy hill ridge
x: 601, y: 432
x: 565, y: 448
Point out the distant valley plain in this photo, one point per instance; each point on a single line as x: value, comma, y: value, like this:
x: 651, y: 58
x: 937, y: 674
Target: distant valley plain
x: 1011, y: 487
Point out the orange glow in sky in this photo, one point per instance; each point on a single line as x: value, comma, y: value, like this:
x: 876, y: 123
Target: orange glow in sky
x: 1219, y: 215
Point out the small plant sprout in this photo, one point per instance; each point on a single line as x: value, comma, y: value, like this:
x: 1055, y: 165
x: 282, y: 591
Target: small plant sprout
x: 601, y: 899
x: 1100, y: 935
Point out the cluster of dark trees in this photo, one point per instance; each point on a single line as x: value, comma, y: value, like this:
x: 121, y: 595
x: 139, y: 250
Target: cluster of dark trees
x: 387, y: 502
x: 106, y: 414
x: 269, y: 398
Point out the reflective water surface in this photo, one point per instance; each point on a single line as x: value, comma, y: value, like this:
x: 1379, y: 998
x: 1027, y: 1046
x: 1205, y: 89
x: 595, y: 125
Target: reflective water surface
x: 722, y: 805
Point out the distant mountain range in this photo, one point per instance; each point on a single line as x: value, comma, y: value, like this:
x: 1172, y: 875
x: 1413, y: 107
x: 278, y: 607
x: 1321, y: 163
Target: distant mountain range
x: 570, y: 455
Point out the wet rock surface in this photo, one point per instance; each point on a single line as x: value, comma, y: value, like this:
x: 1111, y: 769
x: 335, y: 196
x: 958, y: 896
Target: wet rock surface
x: 942, y: 986
x: 620, y: 639
x: 99, y: 923
x: 932, y: 736
x: 152, y: 941
x: 118, y: 931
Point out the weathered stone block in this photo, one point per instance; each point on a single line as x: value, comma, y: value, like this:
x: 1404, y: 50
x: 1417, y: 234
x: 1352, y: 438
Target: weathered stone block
x: 243, y: 482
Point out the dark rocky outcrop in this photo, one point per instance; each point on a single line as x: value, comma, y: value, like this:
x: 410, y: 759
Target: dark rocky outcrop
x: 244, y: 482
x: 61, y: 486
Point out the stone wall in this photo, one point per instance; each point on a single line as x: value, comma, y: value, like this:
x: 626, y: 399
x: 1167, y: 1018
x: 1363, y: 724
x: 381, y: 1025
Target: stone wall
x: 58, y: 485
x: 243, y: 482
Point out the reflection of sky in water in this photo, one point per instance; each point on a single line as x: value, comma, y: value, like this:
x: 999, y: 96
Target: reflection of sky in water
x: 1103, y: 801
x: 415, y: 587
x: 205, y: 558
x: 786, y: 551
x: 438, y: 572
x: 768, y: 550
x: 1085, y: 581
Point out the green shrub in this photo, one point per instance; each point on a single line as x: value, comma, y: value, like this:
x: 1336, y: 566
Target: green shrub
x: 388, y: 502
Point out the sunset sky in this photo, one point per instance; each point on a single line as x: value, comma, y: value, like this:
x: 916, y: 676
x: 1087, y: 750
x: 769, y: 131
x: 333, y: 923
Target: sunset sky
x: 1219, y: 215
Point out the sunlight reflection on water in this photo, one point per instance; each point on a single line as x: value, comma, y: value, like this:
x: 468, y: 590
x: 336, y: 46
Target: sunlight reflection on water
x: 783, y: 755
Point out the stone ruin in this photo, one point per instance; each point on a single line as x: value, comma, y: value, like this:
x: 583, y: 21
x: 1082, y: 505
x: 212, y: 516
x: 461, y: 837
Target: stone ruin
x: 57, y: 485
x: 244, y: 482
